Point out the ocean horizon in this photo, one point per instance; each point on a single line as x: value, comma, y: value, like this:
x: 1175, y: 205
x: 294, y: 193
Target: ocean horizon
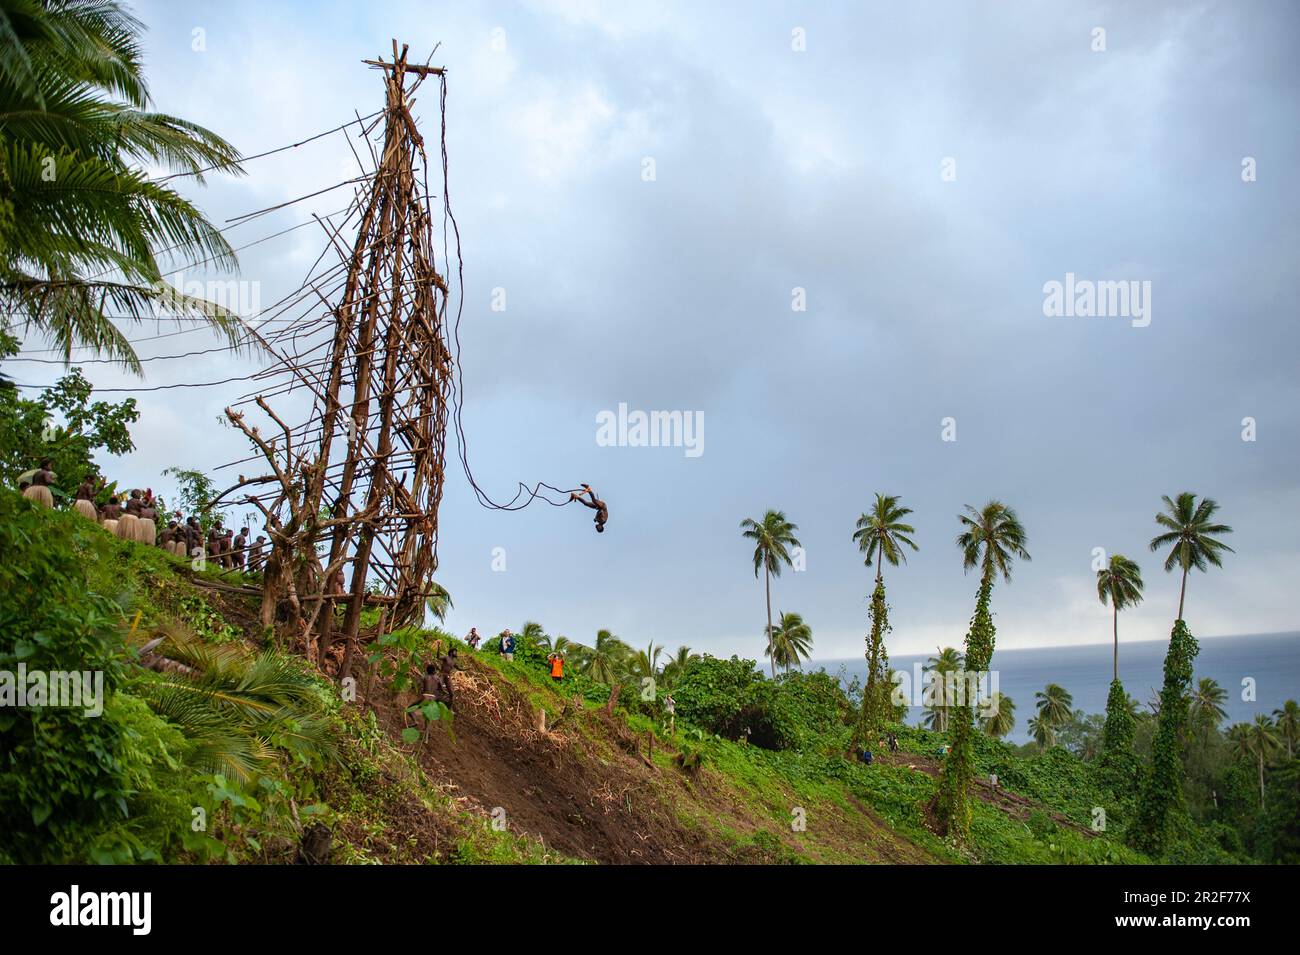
x: 1271, y: 661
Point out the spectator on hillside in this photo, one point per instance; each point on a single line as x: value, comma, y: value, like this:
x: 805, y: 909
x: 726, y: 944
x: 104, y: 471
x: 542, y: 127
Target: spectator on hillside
x: 473, y: 638
x: 84, y: 499
x: 255, y: 558
x: 507, y: 644
x: 110, y: 512
x: 38, y: 487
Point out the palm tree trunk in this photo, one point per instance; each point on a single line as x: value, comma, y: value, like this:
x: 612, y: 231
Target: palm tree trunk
x: 1182, y: 592
x: 767, y: 586
x: 1115, y: 615
x: 1261, y: 780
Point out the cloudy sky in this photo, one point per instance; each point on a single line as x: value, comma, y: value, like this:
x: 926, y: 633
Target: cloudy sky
x: 921, y: 171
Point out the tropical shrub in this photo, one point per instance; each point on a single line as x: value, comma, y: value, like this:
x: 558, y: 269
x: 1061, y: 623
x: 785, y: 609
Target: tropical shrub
x: 61, y: 774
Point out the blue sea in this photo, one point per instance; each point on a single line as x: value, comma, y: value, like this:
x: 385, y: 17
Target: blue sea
x: 1271, y: 660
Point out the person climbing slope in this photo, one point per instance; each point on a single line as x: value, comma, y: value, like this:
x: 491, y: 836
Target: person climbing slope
x: 445, y: 671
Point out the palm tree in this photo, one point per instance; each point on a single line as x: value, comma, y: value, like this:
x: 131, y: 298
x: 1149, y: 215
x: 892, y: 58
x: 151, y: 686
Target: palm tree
x: 1043, y: 732
x: 1190, y: 533
x: 1207, y: 701
x: 676, y: 666
x: 231, y: 704
x: 1055, y: 705
x: 533, y: 632
x: 439, y: 601
x: 772, y: 540
x: 645, y: 663
x: 1288, y: 725
x: 789, y: 642
x: 1257, y: 741
x: 993, y: 538
x: 87, y: 224
x: 1120, y: 582
x: 1002, y: 716
x: 948, y: 662
x: 605, y: 661
x: 880, y: 533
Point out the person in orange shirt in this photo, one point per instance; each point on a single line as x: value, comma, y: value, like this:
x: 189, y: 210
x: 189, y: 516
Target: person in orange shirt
x: 557, y: 667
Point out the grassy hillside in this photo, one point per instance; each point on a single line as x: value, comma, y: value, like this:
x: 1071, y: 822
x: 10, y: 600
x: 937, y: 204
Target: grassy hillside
x: 218, y: 746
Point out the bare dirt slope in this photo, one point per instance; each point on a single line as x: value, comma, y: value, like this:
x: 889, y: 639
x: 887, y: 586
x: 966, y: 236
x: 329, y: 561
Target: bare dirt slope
x: 588, y: 788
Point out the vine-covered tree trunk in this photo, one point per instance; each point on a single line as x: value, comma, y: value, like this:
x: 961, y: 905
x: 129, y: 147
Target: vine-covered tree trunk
x: 1118, y: 763
x: 1162, y: 794
x: 875, y: 694
x: 953, y: 799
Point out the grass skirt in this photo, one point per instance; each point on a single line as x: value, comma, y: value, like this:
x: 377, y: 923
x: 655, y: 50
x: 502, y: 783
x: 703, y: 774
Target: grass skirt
x: 128, y: 527
x: 40, y: 494
x: 86, y: 510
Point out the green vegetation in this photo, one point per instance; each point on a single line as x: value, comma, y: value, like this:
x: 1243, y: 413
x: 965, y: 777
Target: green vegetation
x: 1162, y: 804
x: 881, y: 535
x: 1119, y: 764
x: 207, y: 749
x: 76, y: 204
x: 62, y: 424
x: 993, y: 538
x: 789, y: 642
x: 773, y: 537
x: 1120, y: 583
x: 1190, y: 536
x: 213, y: 747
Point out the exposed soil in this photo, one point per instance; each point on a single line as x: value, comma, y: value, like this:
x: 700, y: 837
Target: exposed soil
x: 586, y: 787
x: 603, y: 806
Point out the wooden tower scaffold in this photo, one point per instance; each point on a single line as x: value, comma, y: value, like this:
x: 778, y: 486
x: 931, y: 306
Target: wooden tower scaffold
x: 354, y: 490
